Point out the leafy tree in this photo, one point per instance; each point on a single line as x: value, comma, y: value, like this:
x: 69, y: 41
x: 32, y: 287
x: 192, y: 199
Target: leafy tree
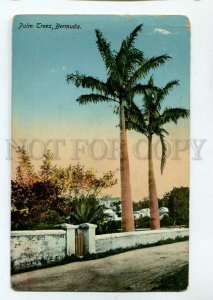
x: 44, y: 198
x: 76, y: 181
x: 141, y: 204
x: 124, y: 70
x: 25, y: 173
x: 178, y: 204
x: 46, y: 170
x: 36, y: 204
x: 150, y: 120
x: 21, y: 207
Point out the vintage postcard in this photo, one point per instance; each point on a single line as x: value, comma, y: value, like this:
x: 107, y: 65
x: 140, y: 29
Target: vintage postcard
x: 100, y: 139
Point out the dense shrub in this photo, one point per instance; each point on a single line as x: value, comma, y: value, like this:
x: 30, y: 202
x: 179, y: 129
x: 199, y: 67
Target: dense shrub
x: 108, y: 226
x: 166, y: 221
x: 45, y: 198
x: 142, y: 222
x: 177, y: 202
x: 36, y: 206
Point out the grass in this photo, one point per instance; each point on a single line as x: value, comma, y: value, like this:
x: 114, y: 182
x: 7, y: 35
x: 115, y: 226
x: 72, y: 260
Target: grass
x: 177, y: 281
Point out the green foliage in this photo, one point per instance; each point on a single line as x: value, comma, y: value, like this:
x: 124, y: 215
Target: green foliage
x: 25, y: 173
x: 86, y: 210
x: 108, y: 226
x: 177, y: 202
x: 36, y: 204
x: 142, y: 222
x: 141, y: 204
x: 167, y: 221
x: 45, y: 198
x: 178, y: 281
x: 46, y: 167
x: 116, y: 207
x: 124, y: 67
x: 76, y: 181
x: 150, y: 118
x: 22, y: 210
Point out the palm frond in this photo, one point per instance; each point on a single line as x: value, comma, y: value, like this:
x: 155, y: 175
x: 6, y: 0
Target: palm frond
x: 155, y: 62
x: 173, y: 115
x: 87, y: 82
x: 163, y: 154
x: 149, y: 104
x: 128, y: 56
x: 149, y: 64
x: 105, y: 51
x: 127, y: 62
x: 135, y: 55
x: 135, y: 119
x: 130, y: 39
x: 145, y: 89
x: 163, y: 92
x: 93, y: 98
x: 164, y: 131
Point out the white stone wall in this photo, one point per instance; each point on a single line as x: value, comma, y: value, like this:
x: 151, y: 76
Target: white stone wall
x: 36, y: 248
x: 106, y: 242
x: 42, y: 247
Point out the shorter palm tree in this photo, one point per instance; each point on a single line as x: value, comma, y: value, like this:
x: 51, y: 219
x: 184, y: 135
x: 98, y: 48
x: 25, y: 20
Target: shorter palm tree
x: 150, y: 120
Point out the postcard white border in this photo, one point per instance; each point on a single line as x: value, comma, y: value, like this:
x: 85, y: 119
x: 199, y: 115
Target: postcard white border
x: 201, y: 208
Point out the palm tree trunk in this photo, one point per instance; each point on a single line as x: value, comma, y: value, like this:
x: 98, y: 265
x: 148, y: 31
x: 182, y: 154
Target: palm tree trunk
x: 126, y: 198
x: 153, y: 198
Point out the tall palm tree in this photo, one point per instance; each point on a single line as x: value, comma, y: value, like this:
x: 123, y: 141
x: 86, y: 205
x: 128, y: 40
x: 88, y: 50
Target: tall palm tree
x: 124, y: 70
x: 150, y: 120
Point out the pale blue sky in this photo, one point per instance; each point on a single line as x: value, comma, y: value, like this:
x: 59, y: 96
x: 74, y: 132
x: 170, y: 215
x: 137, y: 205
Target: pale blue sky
x: 44, y: 105
x: 43, y: 57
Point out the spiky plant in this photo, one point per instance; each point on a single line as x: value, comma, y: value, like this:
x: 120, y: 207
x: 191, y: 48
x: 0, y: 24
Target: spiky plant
x: 86, y: 210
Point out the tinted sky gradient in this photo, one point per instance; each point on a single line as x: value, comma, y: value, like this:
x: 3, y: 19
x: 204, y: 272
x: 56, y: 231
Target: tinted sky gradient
x: 44, y: 105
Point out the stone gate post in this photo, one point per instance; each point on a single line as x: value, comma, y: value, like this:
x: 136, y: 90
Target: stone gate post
x: 70, y: 238
x: 88, y: 231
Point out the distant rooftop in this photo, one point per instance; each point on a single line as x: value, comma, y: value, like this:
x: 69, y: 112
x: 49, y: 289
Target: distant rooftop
x: 109, y: 199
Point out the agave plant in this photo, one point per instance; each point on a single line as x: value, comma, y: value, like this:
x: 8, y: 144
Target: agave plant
x: 86, y: 210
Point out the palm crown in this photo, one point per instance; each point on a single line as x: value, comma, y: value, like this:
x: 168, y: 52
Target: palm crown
x: 124, y: 69
x: 150, y: 118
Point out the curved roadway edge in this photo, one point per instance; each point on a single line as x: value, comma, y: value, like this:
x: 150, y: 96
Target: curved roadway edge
x: 137, y: 270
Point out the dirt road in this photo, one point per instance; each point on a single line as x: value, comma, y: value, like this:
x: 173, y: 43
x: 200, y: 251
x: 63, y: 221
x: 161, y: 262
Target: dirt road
x: 137, y: 270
